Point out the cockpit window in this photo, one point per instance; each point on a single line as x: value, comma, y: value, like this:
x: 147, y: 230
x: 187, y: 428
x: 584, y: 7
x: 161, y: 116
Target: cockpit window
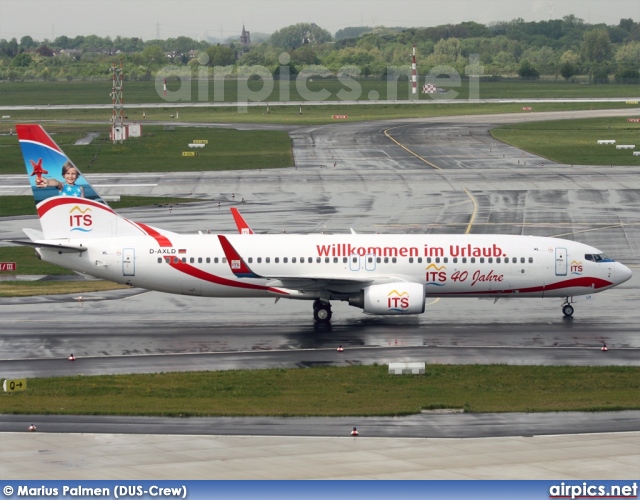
x: 596, y: 257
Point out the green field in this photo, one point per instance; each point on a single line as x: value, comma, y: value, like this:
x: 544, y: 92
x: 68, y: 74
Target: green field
x: 575, y: 141
x: 290, y: 115
x: 160, y: 149
x: 331, y: 391
x: 98, y: 92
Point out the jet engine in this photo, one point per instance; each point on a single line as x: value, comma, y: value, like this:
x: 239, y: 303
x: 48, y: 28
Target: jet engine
x: 391, y: 299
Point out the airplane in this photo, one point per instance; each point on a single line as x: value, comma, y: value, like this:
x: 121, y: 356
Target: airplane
x: 382, y: 274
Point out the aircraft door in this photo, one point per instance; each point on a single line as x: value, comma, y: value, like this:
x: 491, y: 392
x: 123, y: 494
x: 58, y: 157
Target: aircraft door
x: 354, y: 262
x: 561, y: 262
x: 370, y: 262
x: 362, y: 262
x: 128, y: 262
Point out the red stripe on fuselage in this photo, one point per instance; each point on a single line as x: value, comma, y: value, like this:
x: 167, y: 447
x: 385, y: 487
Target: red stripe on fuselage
x: 162, y: 240
x: 212, y: 278
x: 584, y: 282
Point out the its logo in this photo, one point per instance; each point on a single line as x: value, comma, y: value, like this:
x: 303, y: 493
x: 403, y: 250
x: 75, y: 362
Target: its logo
x: 436, y: 276
x: 235, y: 264
x: 80, y: 220
x: 576, y: 267
x: 397, y: 301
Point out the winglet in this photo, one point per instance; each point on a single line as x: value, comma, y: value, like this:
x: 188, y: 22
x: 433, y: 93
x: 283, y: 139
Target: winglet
x: 236, y: 263
x: 243, y: 227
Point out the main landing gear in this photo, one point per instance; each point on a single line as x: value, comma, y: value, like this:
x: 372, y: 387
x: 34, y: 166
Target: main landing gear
x: 321, y: 311
x: 567, y: 308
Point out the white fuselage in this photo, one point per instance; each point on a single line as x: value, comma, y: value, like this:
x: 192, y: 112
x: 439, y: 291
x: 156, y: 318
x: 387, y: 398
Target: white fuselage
x: 446, y: 265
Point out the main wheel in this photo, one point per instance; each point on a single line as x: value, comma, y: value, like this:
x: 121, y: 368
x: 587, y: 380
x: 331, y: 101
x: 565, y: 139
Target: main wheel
x: 322, y: 313
x: 567, y: 310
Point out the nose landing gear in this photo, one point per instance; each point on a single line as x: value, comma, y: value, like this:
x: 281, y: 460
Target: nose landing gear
x: 567, y: 308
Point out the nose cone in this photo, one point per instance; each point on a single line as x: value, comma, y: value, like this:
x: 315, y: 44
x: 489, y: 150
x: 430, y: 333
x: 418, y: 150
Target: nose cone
x: 623, y: 273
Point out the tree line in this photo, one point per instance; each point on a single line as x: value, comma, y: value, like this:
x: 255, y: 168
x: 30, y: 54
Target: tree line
x: 562, y: 48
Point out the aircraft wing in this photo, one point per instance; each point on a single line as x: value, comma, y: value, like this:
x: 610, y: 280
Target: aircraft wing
x: 241, y: 223
x: 304, y: 283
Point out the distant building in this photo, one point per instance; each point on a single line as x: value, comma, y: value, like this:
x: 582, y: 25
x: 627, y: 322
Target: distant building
x: 245, y: 38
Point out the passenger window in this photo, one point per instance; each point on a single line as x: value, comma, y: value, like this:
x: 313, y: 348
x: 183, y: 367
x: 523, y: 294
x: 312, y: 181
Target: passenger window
x: 267, y: 260
x: 326, y: 260
x: 521, y: 260
x: 490, y: 260
x: 464, y: 260
x: 419, y: 260
x: 428, y: 260
x: 514, y: 260
x: 176, y: 260
x: 437, y: 260
x: 293, y: 260
x: 310, y: 260
x: 159, y: 260
x: 199, y: 260
x: 184, y: 260
x: 386, y: 260
x: 224, y: 260
x: 318, y: 260
x: 455, y: 260
x: 445, y: 260
x: 192, y: 260
x: 276, y: 260
x: 208, y: 260
x: 250, y: 260
x: 473, y: 260
x: 344, y: 260
x: 285, y: 260
x: 378, y: 260
x: 354, y: 259
x: 481, y: 260
x: 335, y: 260
x: 530, y: 260
x: 410, y: 260
x: 394, y: 260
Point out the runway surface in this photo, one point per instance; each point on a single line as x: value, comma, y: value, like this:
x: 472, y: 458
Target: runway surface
x: 356, y: 176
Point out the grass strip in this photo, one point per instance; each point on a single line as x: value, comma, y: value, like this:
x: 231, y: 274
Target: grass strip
x: 575, y: 141
x: 364, y: 89
x: 333, y: 391
x: 31, y: 288
x: 160, y: 149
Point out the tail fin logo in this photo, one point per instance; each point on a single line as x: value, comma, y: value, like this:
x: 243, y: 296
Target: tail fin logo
x: 81, y: 221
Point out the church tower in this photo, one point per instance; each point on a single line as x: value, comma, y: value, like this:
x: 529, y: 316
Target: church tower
x: 245, y: 38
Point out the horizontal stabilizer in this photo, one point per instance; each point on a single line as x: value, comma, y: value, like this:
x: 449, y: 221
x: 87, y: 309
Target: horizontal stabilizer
x: 60, y: 247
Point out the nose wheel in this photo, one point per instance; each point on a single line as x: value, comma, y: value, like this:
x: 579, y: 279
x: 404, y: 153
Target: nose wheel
x: 321, y: 311
x: 567, y: 310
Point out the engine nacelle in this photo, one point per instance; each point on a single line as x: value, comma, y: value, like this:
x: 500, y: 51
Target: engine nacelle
x: 391, y: 299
